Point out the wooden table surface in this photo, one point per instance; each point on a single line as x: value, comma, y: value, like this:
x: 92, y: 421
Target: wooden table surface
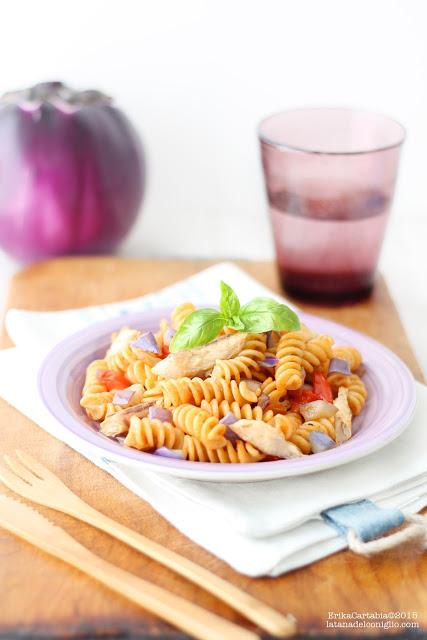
x: 42, y: 598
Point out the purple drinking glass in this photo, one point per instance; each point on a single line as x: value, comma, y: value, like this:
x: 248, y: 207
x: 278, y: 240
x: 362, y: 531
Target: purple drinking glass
x: 330, y: 176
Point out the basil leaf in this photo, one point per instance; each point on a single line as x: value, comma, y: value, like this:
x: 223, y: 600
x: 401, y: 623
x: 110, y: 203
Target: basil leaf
x: 229, y: 303
x: 235, y: 323
x: 200, y: 327
x: 265, y: 314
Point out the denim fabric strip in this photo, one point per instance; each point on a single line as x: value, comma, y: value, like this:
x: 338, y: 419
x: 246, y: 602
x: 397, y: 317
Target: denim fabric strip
x: 367, y: 519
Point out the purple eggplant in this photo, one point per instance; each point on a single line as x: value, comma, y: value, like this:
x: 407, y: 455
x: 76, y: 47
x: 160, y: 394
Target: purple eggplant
x: 71, y: 172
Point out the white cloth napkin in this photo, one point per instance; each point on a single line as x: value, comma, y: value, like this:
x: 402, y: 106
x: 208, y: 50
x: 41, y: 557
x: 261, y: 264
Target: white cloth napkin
x: 264, y: 528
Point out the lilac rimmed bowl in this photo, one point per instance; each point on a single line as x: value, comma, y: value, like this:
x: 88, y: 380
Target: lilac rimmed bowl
x: 387, y: 413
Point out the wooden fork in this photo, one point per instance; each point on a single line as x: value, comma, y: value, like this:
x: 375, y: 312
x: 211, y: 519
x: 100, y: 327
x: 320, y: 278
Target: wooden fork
x: 34, y: 481
x: 30, y: 525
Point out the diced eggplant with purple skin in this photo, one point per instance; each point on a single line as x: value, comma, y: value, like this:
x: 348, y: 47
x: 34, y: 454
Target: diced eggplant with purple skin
x: 253, y: 385
x: 342, y: 416
x: 160, y: 413
x: 118, y: 423
x: 176, y: 454
x: 320, y: 442
x: 200, y: 360
x: 266, y: 438
x: 339, y: 365
x: 147, y: 343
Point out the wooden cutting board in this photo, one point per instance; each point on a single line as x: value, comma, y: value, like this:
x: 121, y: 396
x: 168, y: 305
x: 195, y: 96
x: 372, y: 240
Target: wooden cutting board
x: 41, y: 597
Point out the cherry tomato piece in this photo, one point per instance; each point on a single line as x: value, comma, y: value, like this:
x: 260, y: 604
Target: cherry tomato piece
x: 302, y: 396
x: 113, y: 379
x: 322, y: 387
x: 165, y: 351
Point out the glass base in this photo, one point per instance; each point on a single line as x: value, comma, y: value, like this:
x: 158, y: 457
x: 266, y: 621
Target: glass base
x: 327, y: 288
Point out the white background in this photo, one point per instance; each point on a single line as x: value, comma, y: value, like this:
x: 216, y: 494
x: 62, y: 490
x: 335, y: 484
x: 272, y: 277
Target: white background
x: 196, y: 77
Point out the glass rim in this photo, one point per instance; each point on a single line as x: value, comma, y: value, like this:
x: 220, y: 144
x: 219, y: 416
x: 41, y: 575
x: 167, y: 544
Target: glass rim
x: 280, y: 145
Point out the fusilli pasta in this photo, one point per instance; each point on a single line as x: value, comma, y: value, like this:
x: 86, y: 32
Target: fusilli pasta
x: 357, y: 392
x: 139, y: 371
x: 178, y: 391
x: 290, y: 368
x: 95, y: 396
x: 246, y: 363
x: 146, y: 434
x: 180, y: 313
x: 270, y: 388
x: 247, y: 411
x: 200, y: 424
x: 297, y: 431
x: 317, y: 353
x: 351, y: 354
x: 240, y: 452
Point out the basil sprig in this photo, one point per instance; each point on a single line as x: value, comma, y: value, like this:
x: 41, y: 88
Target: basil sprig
x: 258, y: 315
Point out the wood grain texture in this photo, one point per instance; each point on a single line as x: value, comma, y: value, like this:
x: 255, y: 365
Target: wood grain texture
x: 40, y: 597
